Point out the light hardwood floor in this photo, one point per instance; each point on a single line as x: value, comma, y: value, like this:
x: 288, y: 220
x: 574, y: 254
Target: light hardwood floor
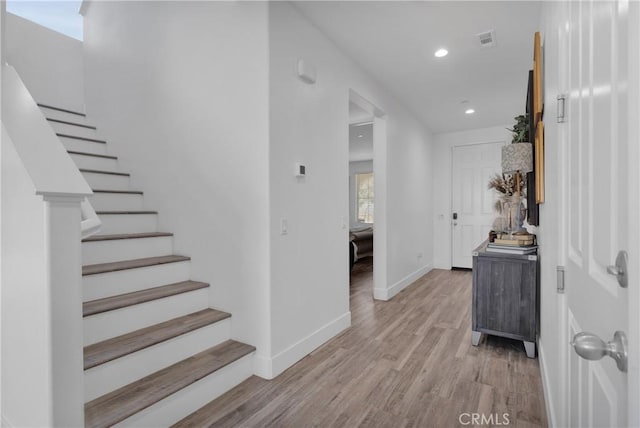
x: 407, y: 362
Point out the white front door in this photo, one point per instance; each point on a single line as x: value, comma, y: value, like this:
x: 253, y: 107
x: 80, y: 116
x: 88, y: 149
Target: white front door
x: 471, y: 201
x: 601, y: 156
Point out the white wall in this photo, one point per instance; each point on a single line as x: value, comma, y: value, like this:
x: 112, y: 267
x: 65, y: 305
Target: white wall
x: 309, y: 124
x: 180, y: 90
x: 201, y: 102
x: 49, y: 63
x: 359, y: 167
x: 442, y: 182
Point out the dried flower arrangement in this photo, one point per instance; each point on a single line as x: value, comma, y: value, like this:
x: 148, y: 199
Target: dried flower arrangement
x: 506, y: 185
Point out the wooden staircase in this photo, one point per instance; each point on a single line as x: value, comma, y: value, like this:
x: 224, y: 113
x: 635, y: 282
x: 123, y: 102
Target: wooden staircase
x: 154, y: 349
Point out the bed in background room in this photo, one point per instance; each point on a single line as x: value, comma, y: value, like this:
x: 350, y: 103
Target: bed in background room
x: 360, y: 244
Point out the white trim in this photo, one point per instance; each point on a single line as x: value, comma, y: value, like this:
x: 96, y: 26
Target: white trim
x: 84, y: 6
x: 90, y: 224
x: 43, y: 155
x: 262, y: 367
x: 546, y: 384
x: 388, y: 293
x: 269, y: 368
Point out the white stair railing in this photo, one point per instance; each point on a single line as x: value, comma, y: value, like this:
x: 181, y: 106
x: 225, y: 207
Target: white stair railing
x: 42, y: 195
x: 90, y: 223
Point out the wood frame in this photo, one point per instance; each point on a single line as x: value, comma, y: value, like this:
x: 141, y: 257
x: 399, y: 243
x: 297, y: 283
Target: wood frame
x: 538, y: 112
x: 539, y: 162
x: 537, y: 79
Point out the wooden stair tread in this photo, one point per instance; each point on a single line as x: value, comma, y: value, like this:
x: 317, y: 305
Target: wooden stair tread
x: 61, y: 109
x: 106, y: 304
x: 76, y: 137
x: 116, y: 347
x: 95, y: 155
x: 126, y: 192
x: 125, y: 212
x: 118, y: 405
x: 131, y: 264
x: 100, y: 171
x: 50, y: 119
x: 116, y: 236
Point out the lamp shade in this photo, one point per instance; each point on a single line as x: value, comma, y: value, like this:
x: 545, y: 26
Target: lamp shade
x: 517, y: 157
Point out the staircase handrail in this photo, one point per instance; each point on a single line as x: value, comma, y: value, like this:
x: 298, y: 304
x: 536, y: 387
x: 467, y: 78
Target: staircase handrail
x: 45, y: 159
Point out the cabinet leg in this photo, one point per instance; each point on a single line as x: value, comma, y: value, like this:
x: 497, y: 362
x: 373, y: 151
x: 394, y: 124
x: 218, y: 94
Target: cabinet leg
x: 530, y: 347
x: 475, y: 337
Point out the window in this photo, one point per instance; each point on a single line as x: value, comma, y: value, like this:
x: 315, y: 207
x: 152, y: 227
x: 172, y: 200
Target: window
x: 60, y: 16
x: 364, y: 197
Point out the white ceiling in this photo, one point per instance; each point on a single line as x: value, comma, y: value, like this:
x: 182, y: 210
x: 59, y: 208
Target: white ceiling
x: 360, y: 142
x: 395, y: 41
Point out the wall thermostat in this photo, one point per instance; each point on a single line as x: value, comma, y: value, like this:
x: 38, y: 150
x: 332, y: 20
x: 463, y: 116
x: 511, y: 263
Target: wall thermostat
x: 301, y: 170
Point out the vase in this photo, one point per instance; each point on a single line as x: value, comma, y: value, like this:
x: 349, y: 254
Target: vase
x: 516, y: 213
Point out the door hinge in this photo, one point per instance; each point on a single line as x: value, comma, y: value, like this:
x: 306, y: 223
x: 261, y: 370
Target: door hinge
x: 560, y: 118
x: 560, y: 279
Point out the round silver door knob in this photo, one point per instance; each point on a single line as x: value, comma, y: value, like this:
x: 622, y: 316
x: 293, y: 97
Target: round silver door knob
x: 591, y: 347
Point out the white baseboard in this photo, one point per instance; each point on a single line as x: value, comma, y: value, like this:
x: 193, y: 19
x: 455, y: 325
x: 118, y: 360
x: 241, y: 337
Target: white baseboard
x: 268, y: 368
x: 262, y: 366
x: 442, y: 265
x: 548, y: 401
x: 388, y: 293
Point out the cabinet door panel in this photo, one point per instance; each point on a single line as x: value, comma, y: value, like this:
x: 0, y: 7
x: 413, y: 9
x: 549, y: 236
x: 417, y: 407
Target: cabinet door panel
x: 504, y: 296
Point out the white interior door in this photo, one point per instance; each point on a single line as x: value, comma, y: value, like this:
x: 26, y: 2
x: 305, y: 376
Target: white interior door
x: 598, y: 192
x: 471, y: 201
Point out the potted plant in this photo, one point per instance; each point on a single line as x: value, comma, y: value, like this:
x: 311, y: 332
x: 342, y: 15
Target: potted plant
x: 520, y: 129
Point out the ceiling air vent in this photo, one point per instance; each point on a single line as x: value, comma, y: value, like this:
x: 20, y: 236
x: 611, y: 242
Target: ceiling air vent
x: 487, y: 38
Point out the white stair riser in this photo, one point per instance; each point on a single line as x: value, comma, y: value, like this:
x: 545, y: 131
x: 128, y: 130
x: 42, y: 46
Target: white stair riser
x: 128, y: 223
x: 128, y: 280
x: 78, y: 131
x: 107, y: 181
x: 69, y: 117
x: 125, y: 249
x: 116, y: 201
x: 184, y: 402
x: 84, y: 146
x: 114, y: 323
x: 122, y: 371
x: 93, y: 162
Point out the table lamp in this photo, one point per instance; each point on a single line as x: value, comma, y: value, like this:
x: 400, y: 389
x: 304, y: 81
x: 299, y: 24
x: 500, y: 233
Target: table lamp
x: 517, y: 158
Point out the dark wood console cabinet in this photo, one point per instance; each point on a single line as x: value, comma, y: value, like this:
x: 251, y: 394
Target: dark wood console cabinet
x: 505, y: 297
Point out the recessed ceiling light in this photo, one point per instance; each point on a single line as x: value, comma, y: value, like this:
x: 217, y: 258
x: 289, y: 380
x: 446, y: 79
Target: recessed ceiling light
x: 441, y: 52
x: 359, y: 135
x: 469, y: 111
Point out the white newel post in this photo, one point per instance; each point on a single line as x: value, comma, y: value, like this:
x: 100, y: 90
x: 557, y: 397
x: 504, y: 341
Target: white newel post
x: 64, y: 265
x: 43, y: 370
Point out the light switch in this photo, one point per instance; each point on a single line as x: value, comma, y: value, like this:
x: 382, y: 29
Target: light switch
x: 284, y: 226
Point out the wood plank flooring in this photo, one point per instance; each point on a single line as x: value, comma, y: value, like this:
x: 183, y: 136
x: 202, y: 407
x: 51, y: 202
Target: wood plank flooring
x: 407, y: 362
